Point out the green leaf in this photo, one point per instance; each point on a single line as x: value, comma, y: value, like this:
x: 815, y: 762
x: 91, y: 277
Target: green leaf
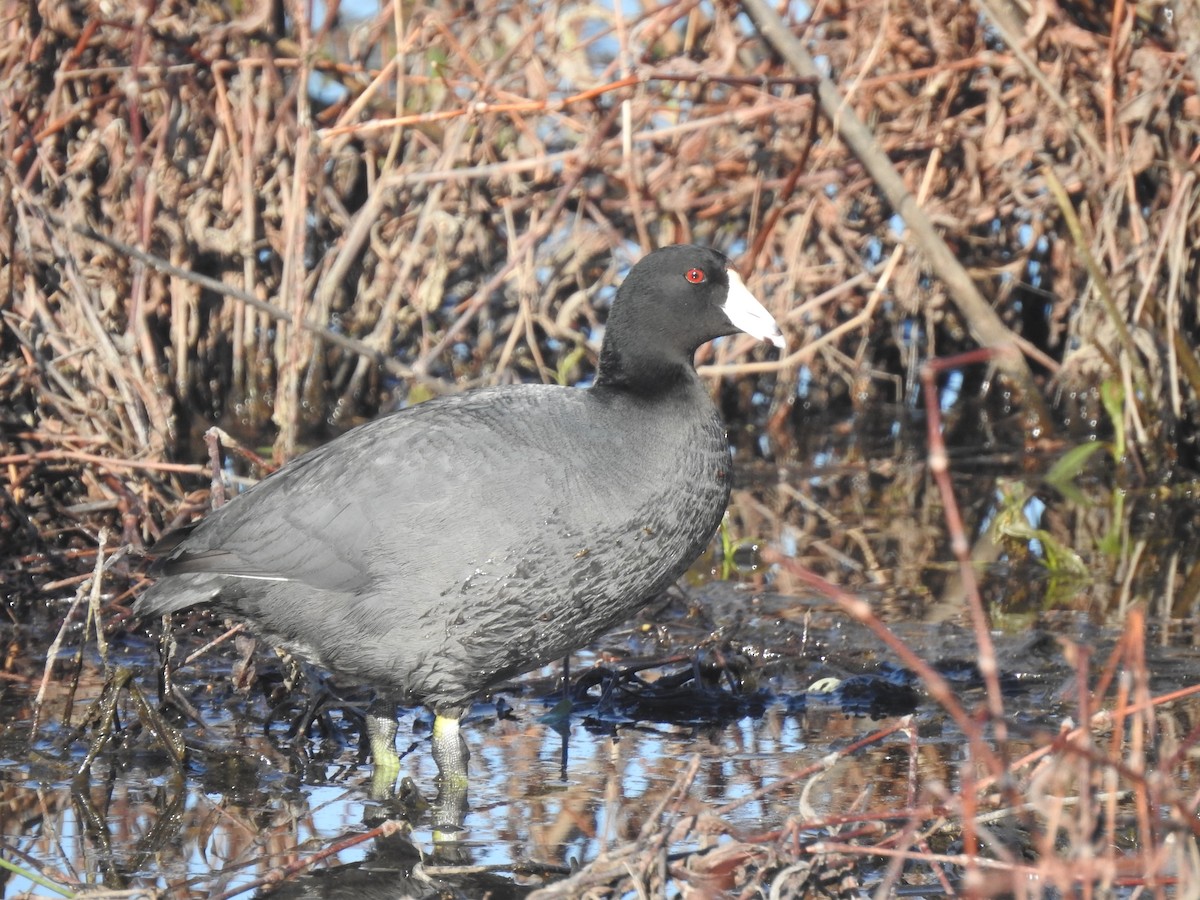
x: 1070, y: 466
x: 568, y: 363
x: 1112, y: 395
x: 1110, y: 543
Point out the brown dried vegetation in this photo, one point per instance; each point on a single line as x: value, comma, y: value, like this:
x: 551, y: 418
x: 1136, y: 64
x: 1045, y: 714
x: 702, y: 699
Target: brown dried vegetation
x: 451, y: 208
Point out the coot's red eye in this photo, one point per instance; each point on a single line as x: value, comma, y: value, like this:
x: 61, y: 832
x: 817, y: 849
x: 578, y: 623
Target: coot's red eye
x: 695, y: 276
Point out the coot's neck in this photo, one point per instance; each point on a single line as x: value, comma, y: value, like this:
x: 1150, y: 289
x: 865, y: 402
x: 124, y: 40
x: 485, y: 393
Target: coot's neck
x: 644, y: 374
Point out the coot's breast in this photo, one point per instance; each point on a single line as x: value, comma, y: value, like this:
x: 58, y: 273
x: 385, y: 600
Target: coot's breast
x: 627, y: 519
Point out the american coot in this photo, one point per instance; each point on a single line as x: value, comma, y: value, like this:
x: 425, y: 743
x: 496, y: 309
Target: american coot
x: 440, y: 550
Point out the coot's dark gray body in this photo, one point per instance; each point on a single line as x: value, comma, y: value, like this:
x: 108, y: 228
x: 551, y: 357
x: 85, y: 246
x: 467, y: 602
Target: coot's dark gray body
x: 442, y: 549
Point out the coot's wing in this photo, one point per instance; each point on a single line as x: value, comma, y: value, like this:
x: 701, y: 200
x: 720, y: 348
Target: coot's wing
x: 390, y: 499
x: 264, y: 542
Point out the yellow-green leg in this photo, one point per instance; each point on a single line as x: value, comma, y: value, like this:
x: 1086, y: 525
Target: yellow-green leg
x: 450, y: 750
x: 451, y: 754
x: 381, y: 734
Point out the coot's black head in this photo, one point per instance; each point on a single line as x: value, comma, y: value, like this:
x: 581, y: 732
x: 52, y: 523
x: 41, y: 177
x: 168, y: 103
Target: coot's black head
x: 674, y: 300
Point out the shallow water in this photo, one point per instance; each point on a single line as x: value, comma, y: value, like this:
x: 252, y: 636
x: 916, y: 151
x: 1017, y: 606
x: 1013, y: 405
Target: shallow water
x: 254, y: 800
x: 547, y: 794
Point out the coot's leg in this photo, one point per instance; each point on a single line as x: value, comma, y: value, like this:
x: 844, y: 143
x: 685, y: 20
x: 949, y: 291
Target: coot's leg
x: 450, y: 749
x: 451, y: 754
x: 381, y: 733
